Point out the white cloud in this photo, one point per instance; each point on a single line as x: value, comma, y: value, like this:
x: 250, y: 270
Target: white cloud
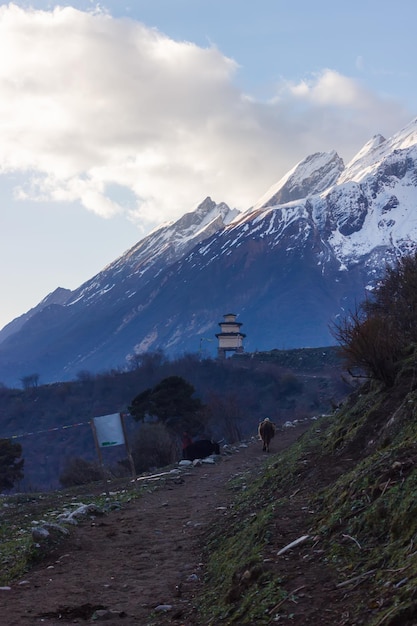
x: 332, y: 89
x: 90, y: 103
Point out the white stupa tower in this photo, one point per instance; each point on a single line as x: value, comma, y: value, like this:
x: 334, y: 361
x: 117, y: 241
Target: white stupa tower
x: 230, y: 338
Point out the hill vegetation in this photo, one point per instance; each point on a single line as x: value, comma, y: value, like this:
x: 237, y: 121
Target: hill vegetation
x: 52, y: 422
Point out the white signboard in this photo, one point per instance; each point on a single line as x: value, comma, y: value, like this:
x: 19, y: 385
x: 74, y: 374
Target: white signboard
x: 109, y: 430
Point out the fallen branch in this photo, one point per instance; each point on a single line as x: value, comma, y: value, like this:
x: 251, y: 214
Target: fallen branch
x: 357, y: 578
x: 353, y: 539
x: 173, y: 473
x: 386, y: 485
x: 400, y: 569
x: 293, y: 544
x: 288, y: 597
x: 390, y: 612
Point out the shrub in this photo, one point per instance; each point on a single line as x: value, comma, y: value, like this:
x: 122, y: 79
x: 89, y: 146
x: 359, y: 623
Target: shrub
x: 78, y: 471
x: 376, y: 336
x: 11, y: 465
x: 153, y: 447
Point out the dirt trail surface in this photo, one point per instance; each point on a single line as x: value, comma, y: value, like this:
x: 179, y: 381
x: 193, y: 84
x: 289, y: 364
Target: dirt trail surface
x: 141, y: 564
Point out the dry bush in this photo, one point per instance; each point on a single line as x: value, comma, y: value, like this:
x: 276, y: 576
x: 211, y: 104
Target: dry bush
x: 223, y: 416
x: 154, y: 447
x: 376, y: 336
x: 78, y: 471
x: 370, y: 345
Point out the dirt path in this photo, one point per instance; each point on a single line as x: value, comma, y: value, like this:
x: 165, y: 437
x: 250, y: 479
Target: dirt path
x: 124, y: 565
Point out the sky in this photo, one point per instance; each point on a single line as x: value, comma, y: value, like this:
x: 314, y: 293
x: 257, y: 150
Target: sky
x: 118, y: 116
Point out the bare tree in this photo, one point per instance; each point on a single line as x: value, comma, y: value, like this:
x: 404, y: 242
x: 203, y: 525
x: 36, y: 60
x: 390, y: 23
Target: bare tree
x: 30, y: 381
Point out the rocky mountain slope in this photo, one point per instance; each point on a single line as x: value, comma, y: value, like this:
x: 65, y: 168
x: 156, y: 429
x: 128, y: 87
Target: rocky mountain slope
x: 306, y: 253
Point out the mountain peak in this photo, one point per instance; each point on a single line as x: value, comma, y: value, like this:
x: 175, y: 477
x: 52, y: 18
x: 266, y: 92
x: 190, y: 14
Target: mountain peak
x: 161, y: 247
x: 372, y: 144
x: 311, y: 176
x: 368, y: 159
x: 206, y: 213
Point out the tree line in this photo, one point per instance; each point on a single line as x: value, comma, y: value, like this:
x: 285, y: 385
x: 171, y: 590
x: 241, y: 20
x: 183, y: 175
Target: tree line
x: 229, y: 399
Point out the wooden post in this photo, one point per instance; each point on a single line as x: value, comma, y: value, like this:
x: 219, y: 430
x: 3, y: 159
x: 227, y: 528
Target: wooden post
x: 129, y: 454
x: 100, y: 458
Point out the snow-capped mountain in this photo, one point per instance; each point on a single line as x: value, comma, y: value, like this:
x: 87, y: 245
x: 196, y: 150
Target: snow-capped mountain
x: 304, y: 254
x: 158, y: 250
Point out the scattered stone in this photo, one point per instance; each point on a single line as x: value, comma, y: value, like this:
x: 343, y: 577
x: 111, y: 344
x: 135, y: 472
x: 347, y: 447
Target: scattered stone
x: 194, y: 524
x: 40, y: 534
x: 163, y: 608
x: 101, y: 615
x: 113, y: 506
x: 81, y: 511
x: 56, y: 528
x: 192, y: 578
x: 288, y: 425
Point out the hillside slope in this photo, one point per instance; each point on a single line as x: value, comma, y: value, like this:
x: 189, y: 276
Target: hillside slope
x: 347, y: 491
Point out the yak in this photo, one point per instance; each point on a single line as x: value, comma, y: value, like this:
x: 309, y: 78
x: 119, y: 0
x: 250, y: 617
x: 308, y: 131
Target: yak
x: 266, y: 431
x: 200, y: 449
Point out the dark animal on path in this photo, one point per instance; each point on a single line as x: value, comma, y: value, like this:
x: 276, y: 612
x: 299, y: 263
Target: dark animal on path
x: 266, y: 432
x: 200, y: 449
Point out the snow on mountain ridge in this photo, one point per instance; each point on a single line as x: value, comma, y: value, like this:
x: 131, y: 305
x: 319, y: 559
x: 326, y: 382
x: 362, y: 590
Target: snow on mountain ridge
x: 370, y: 220
x: 356, y: 210
x: 368, y: 159
x: 161, y: 247
x: 309, y: 177
x: 370, y: 145
x: 319, y: 172
x: 319, y: 180
x: 387, y: 222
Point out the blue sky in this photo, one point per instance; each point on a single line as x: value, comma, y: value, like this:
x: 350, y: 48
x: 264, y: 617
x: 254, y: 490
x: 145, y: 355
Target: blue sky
x: 118, y: 116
